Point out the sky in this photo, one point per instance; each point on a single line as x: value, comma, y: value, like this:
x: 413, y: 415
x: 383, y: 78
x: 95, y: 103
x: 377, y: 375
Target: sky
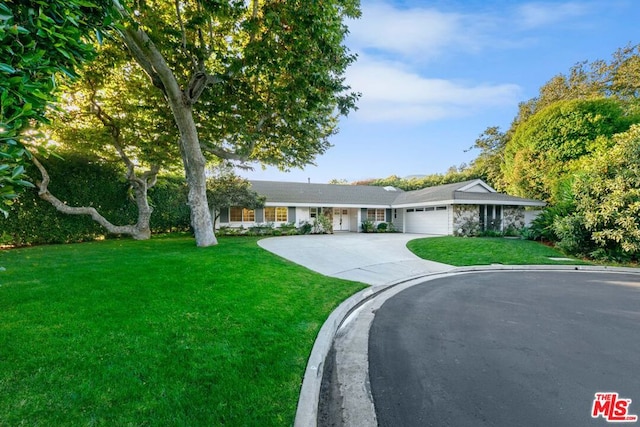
x: 435, y: 74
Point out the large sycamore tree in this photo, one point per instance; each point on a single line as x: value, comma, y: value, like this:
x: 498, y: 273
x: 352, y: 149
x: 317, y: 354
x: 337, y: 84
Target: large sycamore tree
x: 246, y: 81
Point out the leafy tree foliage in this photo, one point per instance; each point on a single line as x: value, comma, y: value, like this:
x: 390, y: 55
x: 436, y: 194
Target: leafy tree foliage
x: 607, y: 197
x: 546, y: 149
x: 487, y: 165
x: 226, y: 189
x: 112, y: 113
x: 245, y: 80
x: 619, y: 79
x: 37, y: 41
x: 338, y: 181
x: 616, y: 79
x: 542, y: 227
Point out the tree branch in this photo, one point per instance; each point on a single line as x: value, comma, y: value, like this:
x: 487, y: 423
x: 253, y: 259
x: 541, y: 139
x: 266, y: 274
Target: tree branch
x: 44, y: 194
x: 150, y: 177
x: 198, y: 83
x: 234, y: 155
x: 184, y: 35
x: 109, y: 123
x: 149, y: 57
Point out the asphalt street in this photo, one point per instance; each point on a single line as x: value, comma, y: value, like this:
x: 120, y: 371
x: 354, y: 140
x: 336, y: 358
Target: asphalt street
x: 506, y: 349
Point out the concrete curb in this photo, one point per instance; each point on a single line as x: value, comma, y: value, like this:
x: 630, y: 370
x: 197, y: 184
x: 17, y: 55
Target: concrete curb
x: 307, y: 411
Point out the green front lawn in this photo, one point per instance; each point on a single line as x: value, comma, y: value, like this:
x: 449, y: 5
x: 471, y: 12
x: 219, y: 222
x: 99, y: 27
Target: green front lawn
x: 463, y: 251
x: 156, y: 333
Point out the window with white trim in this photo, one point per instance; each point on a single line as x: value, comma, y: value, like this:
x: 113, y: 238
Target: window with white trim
x: 276, y: 214
x: 377, y: 215
x: 237, y: 214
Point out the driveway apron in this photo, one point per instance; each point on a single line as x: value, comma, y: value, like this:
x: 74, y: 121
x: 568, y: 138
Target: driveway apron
x: 374, y: 259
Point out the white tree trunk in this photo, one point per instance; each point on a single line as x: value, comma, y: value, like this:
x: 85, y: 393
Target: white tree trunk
x: 194, y: 169
x: 152, y: 61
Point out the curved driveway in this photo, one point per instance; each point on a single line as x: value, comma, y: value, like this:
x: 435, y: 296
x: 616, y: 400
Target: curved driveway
x: 375, y: 259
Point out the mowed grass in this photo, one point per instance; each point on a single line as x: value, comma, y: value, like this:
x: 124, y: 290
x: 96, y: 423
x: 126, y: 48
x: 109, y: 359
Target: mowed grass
x: 156, y: 333
x: 460, y: 251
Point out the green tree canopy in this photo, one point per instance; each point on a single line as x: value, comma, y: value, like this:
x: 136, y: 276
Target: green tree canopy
x: 544, y: 150
x: 487, y: 165
x: 247, y: 81
x: 616, y: 79
x: 619, y: 78
x: 110, y: 112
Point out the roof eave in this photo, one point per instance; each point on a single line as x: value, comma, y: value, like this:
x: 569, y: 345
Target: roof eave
x: 327, y: 205
x: 528, y: 203
x: 523, y: 202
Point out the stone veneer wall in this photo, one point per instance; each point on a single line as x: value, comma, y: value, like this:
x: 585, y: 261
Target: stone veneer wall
x: 513, y: 217
x: 466, y: 220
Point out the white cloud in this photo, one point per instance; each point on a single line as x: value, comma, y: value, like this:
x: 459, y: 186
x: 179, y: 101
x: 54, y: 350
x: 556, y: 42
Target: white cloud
x: 535, y: 15
x: 422, y: 34
x: 418, y: 32
x: 392, y: 93
x: 394, y: 45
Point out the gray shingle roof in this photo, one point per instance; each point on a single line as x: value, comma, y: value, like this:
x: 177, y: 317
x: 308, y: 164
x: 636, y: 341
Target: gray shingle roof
x: 451, y: 192
x: 329, y: 194
x: 437, y: 193
x: 297, y: 193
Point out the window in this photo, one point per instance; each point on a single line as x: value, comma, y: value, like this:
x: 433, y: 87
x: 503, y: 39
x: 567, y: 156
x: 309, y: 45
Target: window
x: 441, y: 208
x: 237, y: 214
x: 377, y: 215
x: 276, y: 214
x: 248, y: 215
x: 314, y: 212
x: 491, y: 217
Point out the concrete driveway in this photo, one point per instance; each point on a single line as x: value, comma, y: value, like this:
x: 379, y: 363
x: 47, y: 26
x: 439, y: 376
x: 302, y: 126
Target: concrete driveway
x: 375, y: 259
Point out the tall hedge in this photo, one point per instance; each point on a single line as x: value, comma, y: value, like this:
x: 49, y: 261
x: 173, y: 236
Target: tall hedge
x: 80, y: 181
x: 170, y: 210
x: 546, y: 149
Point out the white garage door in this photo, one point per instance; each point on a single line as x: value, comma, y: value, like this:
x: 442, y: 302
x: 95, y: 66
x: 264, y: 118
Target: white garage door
x: 431, y: 220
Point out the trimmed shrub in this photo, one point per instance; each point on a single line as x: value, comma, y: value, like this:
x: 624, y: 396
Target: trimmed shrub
x: 367, y: 226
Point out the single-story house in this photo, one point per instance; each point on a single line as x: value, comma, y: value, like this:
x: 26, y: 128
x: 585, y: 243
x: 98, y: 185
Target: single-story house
x: 442, y: 210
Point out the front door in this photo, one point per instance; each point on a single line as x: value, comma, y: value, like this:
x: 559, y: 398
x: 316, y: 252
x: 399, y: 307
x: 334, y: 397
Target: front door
x: 341, y: 220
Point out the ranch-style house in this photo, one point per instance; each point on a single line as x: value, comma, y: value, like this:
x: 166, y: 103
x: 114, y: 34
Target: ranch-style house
x: 441, y: 210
